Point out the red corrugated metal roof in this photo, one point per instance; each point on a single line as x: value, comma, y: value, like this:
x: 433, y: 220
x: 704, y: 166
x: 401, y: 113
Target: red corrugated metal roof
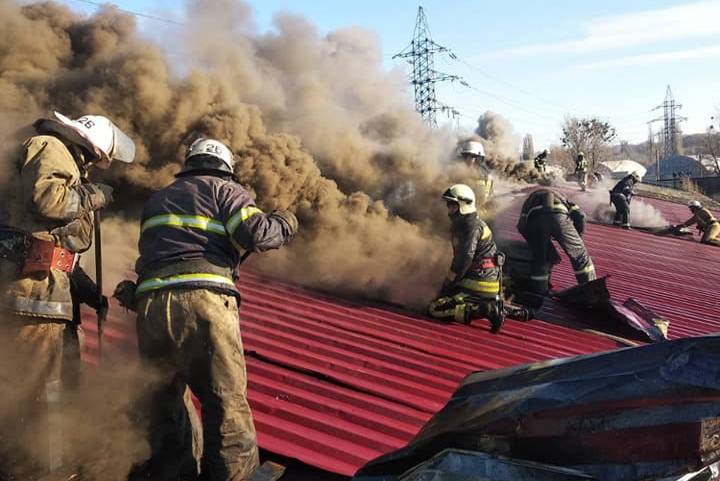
x: 335, y: 383
x: 677, y: 278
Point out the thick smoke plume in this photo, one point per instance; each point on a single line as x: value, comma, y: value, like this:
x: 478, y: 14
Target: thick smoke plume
x: 316, y: 124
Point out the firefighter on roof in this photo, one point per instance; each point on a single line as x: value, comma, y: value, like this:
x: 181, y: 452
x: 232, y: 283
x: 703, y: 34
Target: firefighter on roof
x: 48, y: 224
x: 541, y: 161
x: 472, y: 154
x: 472, y: 287
x: 546, y: 215
x: 705, y: 221
x: 193, y: 236
x: 581, y: 171
x: 620, y: 196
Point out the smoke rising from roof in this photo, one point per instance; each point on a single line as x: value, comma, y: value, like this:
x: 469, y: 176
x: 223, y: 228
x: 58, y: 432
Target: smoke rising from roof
x: 316, y: 124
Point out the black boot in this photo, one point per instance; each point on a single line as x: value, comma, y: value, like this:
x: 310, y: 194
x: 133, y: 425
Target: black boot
x: 518, y: 313
x: 496, y: 316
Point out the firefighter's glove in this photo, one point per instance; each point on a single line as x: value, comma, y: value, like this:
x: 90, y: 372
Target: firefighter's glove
x: 98, y: 195
x: 125, y: 294
x: 102, y: 307
x: 75, y: 236
x: 289, y: 219
x: 578, y: 220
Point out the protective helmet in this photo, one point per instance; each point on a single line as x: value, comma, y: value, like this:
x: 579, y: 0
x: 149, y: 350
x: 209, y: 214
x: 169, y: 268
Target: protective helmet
x: 581, y: 155
x: 96, y: 133
x: 635, y: 175
x: 473, y: 147
x: 463, y: 195
x: 209, y: 154
x: 693, y: 204
x: 545, y: 151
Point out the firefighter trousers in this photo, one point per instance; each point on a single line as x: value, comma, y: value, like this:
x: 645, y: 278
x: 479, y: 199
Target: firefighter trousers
x: 540, y: 231
x: 711, y: 233
x: 622, y: 210
x: 191, y: 338
x: 39, y: 359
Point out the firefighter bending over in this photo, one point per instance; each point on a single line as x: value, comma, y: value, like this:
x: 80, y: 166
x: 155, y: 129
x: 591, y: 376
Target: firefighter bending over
x: 546, y: 215
x: 705, y: 221
x: 620, y: 196
x: 472, y: 287
x: 50, y: 223
x: 541, y: 161
x: 193, y: 236
x: 581, y: 171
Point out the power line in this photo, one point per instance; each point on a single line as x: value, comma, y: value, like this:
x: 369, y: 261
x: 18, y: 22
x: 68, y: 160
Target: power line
x: 130, y: 12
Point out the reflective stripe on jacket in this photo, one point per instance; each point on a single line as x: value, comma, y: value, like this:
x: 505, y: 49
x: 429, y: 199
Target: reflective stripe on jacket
x: 202, y: 217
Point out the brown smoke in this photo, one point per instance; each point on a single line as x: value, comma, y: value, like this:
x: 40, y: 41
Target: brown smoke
x: 316, y: 123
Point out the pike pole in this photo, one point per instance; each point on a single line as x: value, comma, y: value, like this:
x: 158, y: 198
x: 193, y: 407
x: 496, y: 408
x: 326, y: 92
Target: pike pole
x: 101, y: 313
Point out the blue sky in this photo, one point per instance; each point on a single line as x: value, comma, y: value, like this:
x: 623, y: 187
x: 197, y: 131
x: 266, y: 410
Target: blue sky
x: 535, y: 62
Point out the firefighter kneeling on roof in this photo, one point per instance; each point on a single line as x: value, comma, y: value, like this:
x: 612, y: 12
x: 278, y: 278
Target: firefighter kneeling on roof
x: 193, y: 236
x: 705, y: 221
x: 546, y: 215
x: 472, y: 288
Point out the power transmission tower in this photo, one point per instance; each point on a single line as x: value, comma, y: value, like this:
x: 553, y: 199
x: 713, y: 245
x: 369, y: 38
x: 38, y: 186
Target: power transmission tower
x: 421, y: 55
x: 528, y: 151
x: 671, y: 135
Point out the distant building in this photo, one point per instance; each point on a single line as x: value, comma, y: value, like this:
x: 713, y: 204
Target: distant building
x: 679, y: 165
x: 617, y: 169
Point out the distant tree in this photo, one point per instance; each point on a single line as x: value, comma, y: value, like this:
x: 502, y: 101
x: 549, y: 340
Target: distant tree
x: 711, y: 145
x: 591, y: 136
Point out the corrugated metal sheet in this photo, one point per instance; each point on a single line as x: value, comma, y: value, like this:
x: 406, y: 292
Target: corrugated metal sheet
x: 676, y: 278
x: 335, y: 383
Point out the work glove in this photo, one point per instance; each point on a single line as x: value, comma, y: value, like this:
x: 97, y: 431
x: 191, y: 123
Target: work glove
x: 102, y: 307
x: 125, y: 294
x: 289, y: 219
x: 75, y: 236
x: 97, y: 195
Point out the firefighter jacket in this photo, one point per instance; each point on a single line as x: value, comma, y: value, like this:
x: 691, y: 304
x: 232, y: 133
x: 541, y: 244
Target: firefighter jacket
x: 581, y: 166
x: 702, y: 217
x: 544, y: 201
x: 540, y: 160
x: 195, y: 231
x: 52, y: 202
x: 473, y: 266
x: 625, y: 188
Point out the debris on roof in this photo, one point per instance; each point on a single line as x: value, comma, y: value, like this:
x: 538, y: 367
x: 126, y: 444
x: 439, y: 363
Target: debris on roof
x: 638, y: 413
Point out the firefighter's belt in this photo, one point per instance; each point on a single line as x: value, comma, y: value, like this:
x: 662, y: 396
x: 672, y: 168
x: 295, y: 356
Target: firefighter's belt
x: 45, y: 255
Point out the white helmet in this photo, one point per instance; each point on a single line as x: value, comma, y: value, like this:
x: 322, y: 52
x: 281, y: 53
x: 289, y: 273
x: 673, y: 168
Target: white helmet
x: 96, y: 133
x: 693, y: 204
x: 473, y: 147
x: 212, y: 148
x: 463, y: 195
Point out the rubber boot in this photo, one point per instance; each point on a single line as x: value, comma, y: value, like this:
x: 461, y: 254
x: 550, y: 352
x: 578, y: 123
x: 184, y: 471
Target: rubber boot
x: 496, y: 316
x: 518, y: 313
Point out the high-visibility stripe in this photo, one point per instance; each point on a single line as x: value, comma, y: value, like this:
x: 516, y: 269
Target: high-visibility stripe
x: 160, y: 282
x: 590, y: 268
x: 486, y: 233
x: 539, y: 278
x: 488, y: 287
x: 190, y: 221
x: 239, y: 217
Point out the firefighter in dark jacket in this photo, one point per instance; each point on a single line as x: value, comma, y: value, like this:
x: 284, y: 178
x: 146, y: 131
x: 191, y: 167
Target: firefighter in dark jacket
x: 620, y: 196
x: 472, y: 287
x: 546, y: 215
x: 541, y: 160
x: 194, y: 234
x: 48, y: 223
